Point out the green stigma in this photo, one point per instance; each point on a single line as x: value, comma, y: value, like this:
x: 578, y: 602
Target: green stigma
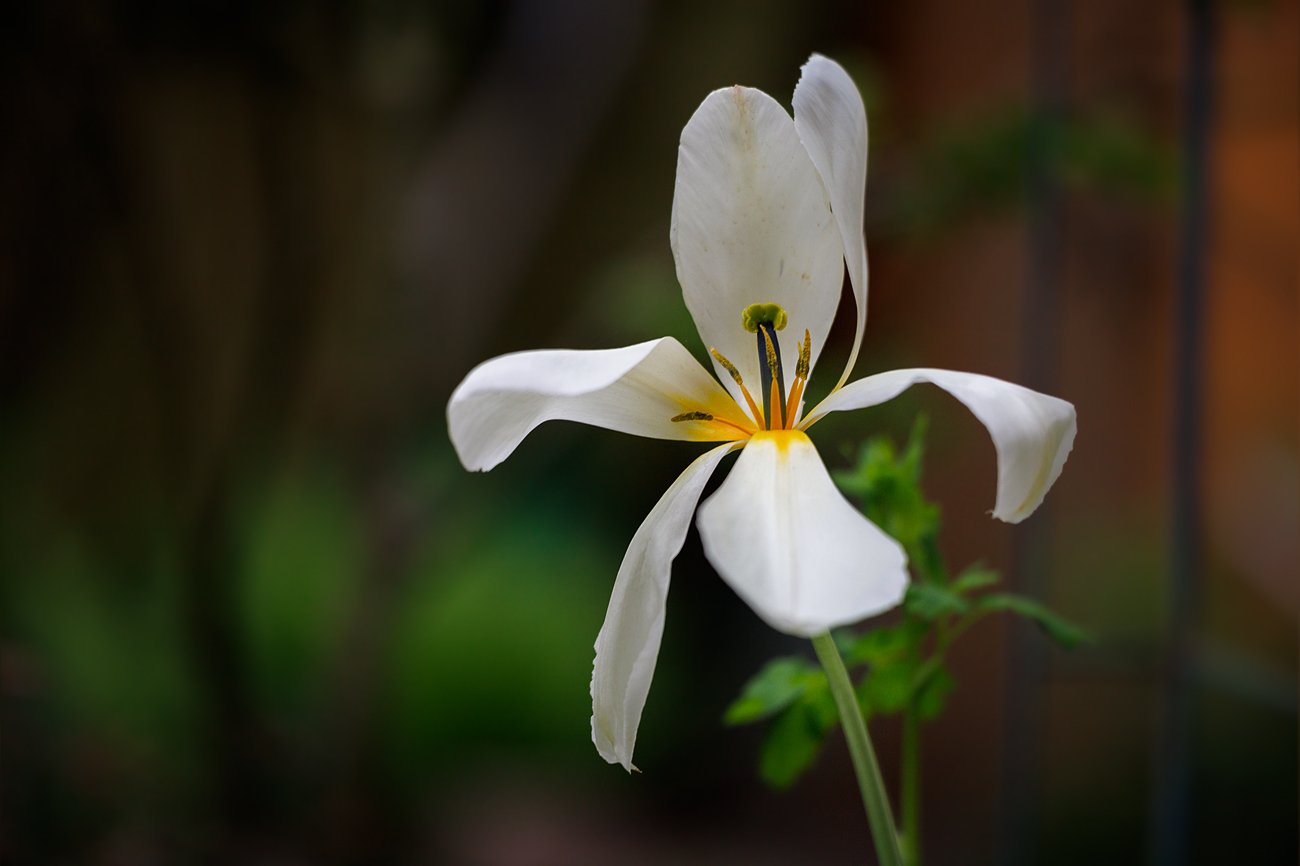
x: 763, y: 314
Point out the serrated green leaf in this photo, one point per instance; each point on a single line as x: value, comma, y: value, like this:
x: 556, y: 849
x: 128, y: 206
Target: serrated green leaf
x: 791, y: 745
x: 975, y: 577
x: 887, y: 486
x: 933, y: 694
x: 1059, y: 629
x: 874, y: 457
x: 930, y: 601
x: 781, y: 682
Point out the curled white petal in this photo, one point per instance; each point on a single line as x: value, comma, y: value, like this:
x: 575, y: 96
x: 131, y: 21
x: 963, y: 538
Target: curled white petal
x: 1032, y: 432
x: 752, y: 224
x: 628, y: 644
x: 832, y: 124
x: 789, y: 543
x: 637, y: 389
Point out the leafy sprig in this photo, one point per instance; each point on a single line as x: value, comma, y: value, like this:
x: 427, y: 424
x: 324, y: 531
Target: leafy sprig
x: 898, y: 668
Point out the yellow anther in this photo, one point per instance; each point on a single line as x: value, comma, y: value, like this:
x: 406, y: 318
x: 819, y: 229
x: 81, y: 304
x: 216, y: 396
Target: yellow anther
x: 727, y: 365
x: 735, y: 374
x: 800, y: 379
x: 743, y: 430
x: 771, y: 354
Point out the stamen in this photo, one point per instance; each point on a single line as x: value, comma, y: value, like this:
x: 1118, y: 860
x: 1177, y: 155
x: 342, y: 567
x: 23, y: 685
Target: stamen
x: 801, y: 379
x: 776, y: 387
x: 705, y: 416
x: 735, y: 374
x: 727, y: 365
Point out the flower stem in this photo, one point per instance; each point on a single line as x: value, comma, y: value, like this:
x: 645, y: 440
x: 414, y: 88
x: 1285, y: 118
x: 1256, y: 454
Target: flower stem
x: 910, y: 806
x: 870, y: 782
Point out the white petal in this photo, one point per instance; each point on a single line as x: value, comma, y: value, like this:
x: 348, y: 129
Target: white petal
x: 628, y: 644
x: 637, y: 389
x: 751, y: 224
x: 832, y: 124
x: 1033, y: 433
x: 790, y: 544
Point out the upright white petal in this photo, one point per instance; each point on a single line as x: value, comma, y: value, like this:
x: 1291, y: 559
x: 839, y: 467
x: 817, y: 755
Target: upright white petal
x: 637, y: 389
x: 832, y: 124
x: 1032, y: 432
x: 751, y: 224
x: 628, y: 643
x: 790, y: 544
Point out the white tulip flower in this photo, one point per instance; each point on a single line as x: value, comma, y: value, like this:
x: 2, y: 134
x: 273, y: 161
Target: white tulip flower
x: 767, y: 211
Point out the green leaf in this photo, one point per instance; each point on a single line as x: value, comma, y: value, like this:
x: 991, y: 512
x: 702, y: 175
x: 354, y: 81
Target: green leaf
x: 791, y: 745
x: 888, y: 488
x: 845, y: 640
x: 881, y: 646
x: 915, y: 448
x: 886, y: 688
x: 927, y: 561
x: 933, y: 694
x: 781, y: 682
x: 1059, y: 629
x: 974, y: 577
x: 821, y: 703
x: 930, y: 601
x: 876, y: 453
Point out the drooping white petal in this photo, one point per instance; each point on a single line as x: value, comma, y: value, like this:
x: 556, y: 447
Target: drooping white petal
x: 628, y: 643
x: 637, y: 389
x: 751, y: 224
x: 1032, y: 432
x: 832, y: 124
x: 790, y: 544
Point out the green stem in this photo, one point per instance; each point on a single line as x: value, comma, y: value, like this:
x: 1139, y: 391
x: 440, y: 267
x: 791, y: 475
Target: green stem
x: 870, y: 782
x: 911, y: 791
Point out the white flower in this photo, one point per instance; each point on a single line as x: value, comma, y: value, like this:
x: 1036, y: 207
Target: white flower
x: 766, y: 213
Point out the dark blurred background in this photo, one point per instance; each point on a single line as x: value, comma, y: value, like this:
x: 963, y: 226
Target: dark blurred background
x: 255, y: 611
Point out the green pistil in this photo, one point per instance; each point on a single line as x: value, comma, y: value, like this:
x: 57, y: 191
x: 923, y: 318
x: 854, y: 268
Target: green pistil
x: 769, y: 362
x: 765, y: 320
x: 763, y: 314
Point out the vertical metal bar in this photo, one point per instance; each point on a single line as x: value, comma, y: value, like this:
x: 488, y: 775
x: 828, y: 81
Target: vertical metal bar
x: 1025, y: 710
x: 1171, y: 788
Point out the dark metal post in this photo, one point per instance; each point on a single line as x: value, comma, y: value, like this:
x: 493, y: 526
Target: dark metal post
x: 1172, y: 753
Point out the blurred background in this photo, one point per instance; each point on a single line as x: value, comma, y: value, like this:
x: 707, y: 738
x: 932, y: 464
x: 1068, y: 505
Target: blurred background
x: 255, y: 611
